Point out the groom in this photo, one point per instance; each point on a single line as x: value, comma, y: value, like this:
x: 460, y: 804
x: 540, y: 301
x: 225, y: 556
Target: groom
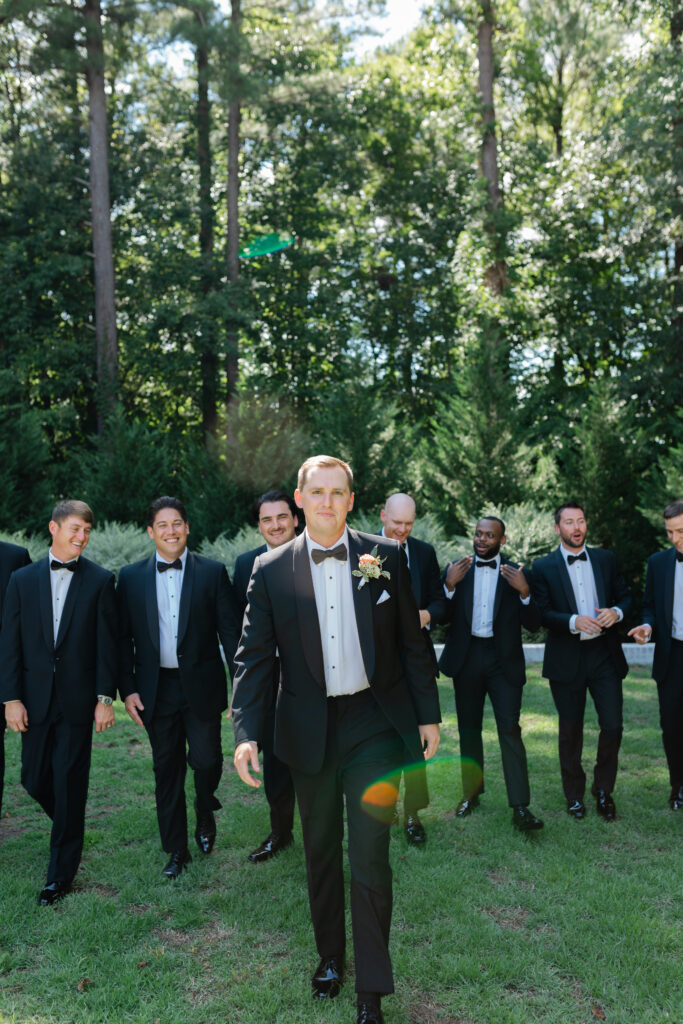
x: 357, y: 700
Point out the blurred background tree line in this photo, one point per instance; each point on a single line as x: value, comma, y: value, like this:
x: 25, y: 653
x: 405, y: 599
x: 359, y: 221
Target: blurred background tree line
x: 483, y: 303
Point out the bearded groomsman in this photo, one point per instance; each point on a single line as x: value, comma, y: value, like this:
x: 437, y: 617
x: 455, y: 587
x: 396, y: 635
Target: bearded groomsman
x: 277, y: 523
x: 490, y: 600
x: 173, y: 607
x: 11, y: 557
x: 663, y: 622
x: 398, y: 519
x: 582, y: 596
x: 58, y: 672
x: 357, y: 699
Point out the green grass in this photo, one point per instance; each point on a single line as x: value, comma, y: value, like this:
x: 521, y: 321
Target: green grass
x: 490, y: 927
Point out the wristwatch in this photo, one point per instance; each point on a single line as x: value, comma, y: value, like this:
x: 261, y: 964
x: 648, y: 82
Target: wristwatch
x: 103, y: 699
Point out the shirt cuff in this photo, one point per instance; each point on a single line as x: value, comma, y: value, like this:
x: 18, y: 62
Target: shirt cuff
x: 619, y: 612
x: 448, y: 593
x: 525, y: 600
x: 572, y: 624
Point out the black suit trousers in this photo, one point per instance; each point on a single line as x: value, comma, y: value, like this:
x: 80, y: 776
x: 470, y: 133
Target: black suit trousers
x: 361, y: 748
x: 55, y: 769
x: 597, y: 674
x: 3, y: 725
x: 482, y: 673
x: 173, y: 726
x: 670, y: 692
x: 277, y: 778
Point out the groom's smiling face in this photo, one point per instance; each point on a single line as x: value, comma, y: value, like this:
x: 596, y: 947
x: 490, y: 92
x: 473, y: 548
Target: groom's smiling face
x: 326, y: 499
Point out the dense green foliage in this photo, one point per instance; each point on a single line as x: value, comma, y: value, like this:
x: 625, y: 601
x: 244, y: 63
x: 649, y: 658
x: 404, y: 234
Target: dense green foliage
x: 376, y: 335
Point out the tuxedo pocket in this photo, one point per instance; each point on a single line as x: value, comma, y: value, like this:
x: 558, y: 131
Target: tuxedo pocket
x: 384, y: 596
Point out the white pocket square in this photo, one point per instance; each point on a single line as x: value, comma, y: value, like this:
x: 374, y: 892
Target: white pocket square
x: 384, y: 596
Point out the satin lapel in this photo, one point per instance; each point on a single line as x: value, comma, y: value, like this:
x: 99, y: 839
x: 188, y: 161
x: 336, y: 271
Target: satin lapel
x: 561, y: 566
x: 415, y: 575
x: 150, y: 573
x: 594, y: 559
x: 500, y: 586
x: 189, y: 573
x: 69, y: 603
x: 669, y: 584
x: 468, y: 595
x: 362, y: 602
x: 307, y: 612
x: 46, y: 603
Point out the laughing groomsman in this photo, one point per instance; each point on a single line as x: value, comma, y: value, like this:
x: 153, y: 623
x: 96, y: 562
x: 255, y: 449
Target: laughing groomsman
x: 582, y: 596
x: 11, y: 557
x: 173, y: 607
x: 663, y: 622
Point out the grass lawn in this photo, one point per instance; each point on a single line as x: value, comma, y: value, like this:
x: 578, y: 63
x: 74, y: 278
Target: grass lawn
x: 578, y: 923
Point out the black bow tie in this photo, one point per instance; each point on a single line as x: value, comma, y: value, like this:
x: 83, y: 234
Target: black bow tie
x: 583, y: 557
x: 165, y: 566
x: 320, y: 554
x: 485, y: 565
x: 71, y: 566
x: 679, y: 556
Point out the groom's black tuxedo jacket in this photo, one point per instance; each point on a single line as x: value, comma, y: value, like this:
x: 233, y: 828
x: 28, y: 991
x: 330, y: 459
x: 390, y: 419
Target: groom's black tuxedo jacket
x: 84, y: 660
x: 282, y: 614
x: 242, y: 575
x: 554, y: 596
x: 658, y: 607
x: 207, y: 611
x: 509, y: 615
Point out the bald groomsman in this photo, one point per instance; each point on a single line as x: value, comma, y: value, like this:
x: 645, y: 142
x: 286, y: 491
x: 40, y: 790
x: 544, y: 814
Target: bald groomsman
x: 398, y: 519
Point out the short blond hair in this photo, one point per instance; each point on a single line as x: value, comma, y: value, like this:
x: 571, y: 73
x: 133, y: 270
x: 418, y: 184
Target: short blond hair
x: 72, y: 507
x: 323, y: 462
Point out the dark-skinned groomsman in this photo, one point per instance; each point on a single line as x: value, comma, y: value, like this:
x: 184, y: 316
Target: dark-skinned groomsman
x: 11, y: 557
x: 663, y: 622
x: 398, y: 519
x: 490, y: 601
x: 357, y: 700
x: 58, y: 672
x: 173, y: 607
x: 277, y: 523
x: 582, y: 596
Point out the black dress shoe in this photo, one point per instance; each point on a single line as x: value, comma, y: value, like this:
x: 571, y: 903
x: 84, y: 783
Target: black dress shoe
x: 270, y: 846
x: 328, y: 977
x: 415, y: 831
x: 205, y: 832
x: 466, y: 806
x: 369, y: 1013
x: 576, y: 809
x: 605, y: 805
x: 676, y: 798
x: 52, y: 893
x: 524, y: 820
x: 178, y: 860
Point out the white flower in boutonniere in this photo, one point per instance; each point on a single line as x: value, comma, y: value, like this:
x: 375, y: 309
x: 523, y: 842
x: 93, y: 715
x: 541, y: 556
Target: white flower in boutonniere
x: 370, y: 568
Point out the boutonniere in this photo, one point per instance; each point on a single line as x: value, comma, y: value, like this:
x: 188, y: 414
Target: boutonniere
x: 370, y: 568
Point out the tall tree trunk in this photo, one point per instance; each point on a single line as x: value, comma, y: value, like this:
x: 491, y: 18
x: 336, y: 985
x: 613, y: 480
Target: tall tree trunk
x: 105, y: 308
x: 496, y: 273
x: 677, y: 204
x: 209, y: 358
x: 233, y: 188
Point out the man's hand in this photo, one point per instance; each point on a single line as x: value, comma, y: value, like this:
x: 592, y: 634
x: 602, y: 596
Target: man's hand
x: 606, y: 617
x: 516, y: 579
x: 586, y: 624
x: 430, y: 735
x: 425, y: 618
x: 104, y: 717
x: 456, y: 571
x: 133, y: 706
x: 641, y: 633
x: 246, y: 756
x: 16, y: 716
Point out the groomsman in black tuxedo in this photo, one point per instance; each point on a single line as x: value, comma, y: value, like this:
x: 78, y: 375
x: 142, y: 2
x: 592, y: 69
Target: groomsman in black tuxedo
x: 398, y: 519
x: 173, y: 607
x: 58, y: 671
x: 490, y: 600
x: 663, y: 621
x: 357, y: 700
x: 582, y: 596
x: 11, y: 557
x: 277, y: 523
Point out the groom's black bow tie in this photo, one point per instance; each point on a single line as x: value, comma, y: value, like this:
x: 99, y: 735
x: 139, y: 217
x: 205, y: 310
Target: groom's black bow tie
x: 583, y: 557
x: 71, y: 566
x: 679, y: 556
x: 165, y: 566
x: 486, y: 565
x: 320, y: 554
